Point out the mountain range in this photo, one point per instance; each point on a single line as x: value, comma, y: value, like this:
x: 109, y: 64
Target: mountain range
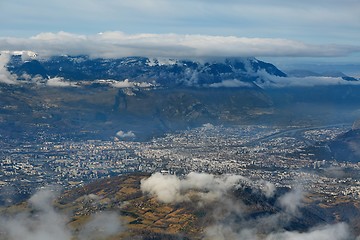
x: 81, y: 97
x: 166, y: 72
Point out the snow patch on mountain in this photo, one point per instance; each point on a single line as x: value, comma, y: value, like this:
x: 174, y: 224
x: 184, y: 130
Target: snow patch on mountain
x: 161, y: 62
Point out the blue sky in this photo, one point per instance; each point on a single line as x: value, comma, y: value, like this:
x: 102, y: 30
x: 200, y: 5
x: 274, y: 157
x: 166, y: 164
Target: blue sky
x: 321, y: 25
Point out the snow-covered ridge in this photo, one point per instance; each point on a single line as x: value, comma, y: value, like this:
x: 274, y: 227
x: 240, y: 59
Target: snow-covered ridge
x: 161, y: 62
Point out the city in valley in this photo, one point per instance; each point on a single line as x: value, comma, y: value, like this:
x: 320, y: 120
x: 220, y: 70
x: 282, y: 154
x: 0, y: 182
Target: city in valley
x: 169, y: 120
x: 284, y: 156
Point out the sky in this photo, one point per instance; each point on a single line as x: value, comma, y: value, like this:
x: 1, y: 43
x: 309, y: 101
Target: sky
x: 282, y: 31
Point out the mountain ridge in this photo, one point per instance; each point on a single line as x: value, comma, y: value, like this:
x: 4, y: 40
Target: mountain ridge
x: 167, y: 72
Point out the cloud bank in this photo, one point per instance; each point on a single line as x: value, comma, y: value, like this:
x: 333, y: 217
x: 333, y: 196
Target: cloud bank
x: 118, y: 44
x: 44, y: 222
x: 266, y: 80
x: 198, y: 47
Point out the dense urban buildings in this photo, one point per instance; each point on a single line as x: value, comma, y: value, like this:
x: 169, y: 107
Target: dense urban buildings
x: 281, y: 155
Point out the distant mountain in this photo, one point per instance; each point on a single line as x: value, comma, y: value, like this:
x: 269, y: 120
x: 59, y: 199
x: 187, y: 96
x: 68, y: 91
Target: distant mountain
x: 166, y: 72
x: 307, y: 73
x: 339, y: 75
x: 302, y: 73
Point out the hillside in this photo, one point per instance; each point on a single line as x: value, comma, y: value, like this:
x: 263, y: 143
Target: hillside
x: 202, y: 214
x: 98, y: 113
x: 346, y: 146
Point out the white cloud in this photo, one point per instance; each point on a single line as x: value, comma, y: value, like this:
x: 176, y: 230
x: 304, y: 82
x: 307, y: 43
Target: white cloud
x: 231, y: 83
x: 207, y: 187
x: 44, y: 222
x: 292, y: 201
x: 122, y: 134
x: 226, y: 232
x: 128, y: 84
x: 123, y: 84
x: 119, y: 44
x: 59, y: 82
x: 47, y: 224
x: 338, y: 231
x: 267, y: 188
x: 100, y: 226
x: 229, y: 219
x: 171, y: 189
x: 326, y: 19
x: 166, y: 188
x: 5, y: 76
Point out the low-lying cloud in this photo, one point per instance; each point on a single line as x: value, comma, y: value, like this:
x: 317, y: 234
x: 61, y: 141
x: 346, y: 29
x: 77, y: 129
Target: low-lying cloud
x: 229, y: 214
x: 201, y: 186
x: 118, y: 44
x: 100, y: 225
x: 121, y: 134
x: 266, y: 80
x: 229, y: 219
x: 292, y: 201
x: 5, y: 75
x: 338, y: 231
x: 44, y: 222
x: 129, y: 84
x: 59, y: 82
x: 231, y: 83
